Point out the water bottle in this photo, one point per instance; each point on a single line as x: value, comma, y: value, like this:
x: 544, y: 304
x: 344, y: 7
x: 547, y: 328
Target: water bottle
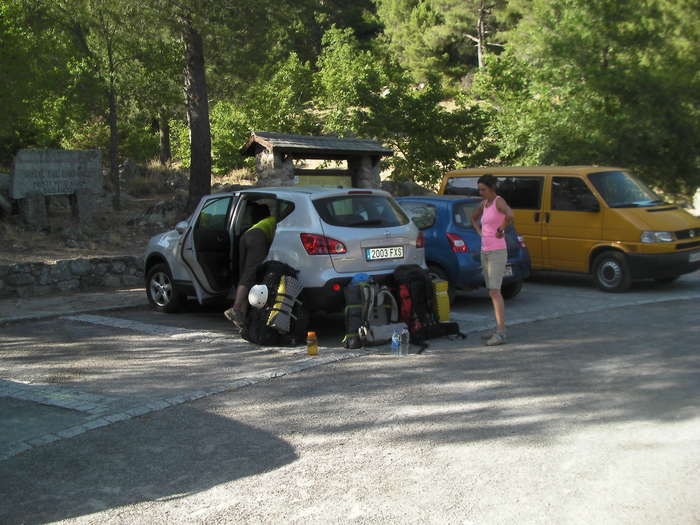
x: 396, y: 342
x: 311, y: 343
x: 404, y: 342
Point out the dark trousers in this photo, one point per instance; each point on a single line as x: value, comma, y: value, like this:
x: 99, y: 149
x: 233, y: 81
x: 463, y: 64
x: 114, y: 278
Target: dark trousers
x: 252, y: 250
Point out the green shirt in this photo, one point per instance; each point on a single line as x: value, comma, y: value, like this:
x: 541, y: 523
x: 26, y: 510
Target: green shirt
x: 268, y: 225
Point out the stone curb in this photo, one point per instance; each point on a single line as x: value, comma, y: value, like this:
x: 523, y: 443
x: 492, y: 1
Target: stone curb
x: 19, y: 447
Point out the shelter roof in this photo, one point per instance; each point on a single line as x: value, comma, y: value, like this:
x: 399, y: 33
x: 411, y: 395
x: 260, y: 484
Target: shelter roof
x: 315, y: 145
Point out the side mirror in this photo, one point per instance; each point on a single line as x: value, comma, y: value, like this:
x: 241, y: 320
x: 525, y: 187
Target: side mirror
x: 181, y: 227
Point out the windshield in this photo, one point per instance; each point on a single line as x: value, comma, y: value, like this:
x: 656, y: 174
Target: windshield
x: 623, y: 190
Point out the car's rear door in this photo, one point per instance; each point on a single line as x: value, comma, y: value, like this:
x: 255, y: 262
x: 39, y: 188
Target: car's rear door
x: 375, y: 231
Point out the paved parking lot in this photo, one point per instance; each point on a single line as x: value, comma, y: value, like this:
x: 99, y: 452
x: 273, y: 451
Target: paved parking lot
x: 582, y: 371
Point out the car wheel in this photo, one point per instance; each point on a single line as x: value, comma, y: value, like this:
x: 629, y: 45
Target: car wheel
x: 510, y: 290
x: 438, y: 273
x: 611, y: 272
x: 161, y: 291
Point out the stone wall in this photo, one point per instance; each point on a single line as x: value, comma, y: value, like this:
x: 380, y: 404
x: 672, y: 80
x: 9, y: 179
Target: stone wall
x: 71, y: 275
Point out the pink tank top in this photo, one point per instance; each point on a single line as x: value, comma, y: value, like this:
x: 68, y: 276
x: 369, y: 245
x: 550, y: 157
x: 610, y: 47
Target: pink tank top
x: 491, y: 220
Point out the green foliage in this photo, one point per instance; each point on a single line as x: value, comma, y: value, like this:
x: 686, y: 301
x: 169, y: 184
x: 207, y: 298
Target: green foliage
x: 366, y: 94
x: 595, y: 82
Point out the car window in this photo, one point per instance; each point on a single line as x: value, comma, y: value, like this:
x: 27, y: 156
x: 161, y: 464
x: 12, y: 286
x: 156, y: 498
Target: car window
x: 284, y: 208
x: 421, y: 213
x: 360, y: 211
x: 213, y: 215
x: 571, y: 194
x: 462, y: 213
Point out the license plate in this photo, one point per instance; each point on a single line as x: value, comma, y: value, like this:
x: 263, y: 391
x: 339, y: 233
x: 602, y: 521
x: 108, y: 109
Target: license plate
x: 387, y: 252
x: 509, y: 270
x: 694, y: 257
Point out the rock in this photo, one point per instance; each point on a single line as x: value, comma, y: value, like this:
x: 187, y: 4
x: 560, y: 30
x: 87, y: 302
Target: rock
x: 80, y: 266
x: 112, y: 281
x: 69, y: 286
x: 19, y: 279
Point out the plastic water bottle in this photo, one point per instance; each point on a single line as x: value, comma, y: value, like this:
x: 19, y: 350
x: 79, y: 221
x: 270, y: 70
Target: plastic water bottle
x: 396, y: 342
x: 404, y: 342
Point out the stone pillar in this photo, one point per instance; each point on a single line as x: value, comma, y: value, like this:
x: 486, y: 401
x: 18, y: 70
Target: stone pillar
x: 274, y: 169
x: 364, y: 171
x: 82, y: 204
x: 32, y: 210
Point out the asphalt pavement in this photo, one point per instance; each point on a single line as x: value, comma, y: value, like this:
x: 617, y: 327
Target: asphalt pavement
x: 113, y: 413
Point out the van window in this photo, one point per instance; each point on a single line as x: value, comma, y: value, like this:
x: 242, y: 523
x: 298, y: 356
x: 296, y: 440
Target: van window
x: 521, y: 193
x: 360, y: 211
x: 571, y: 194
x: 422, y: 214
x: 622, y: 190
x: 462, y: 186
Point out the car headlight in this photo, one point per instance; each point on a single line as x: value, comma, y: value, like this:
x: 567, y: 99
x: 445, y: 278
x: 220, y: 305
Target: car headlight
x: 657, y: 237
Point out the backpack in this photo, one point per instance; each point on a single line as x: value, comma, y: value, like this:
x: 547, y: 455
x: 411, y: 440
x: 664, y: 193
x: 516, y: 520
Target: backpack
x: 416, y: 299
x: 371, y: 314
x: 269, y: 326
x: 418, y: 308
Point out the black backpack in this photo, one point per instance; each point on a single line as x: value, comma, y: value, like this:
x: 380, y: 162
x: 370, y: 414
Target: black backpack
x: 256, y: 329
x: 414, y: 290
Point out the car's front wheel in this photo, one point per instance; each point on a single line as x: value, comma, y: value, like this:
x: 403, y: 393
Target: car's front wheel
x: 611, y: 272
x: 161, y: 291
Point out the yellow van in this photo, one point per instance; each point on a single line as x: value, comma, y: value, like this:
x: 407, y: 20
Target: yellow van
x: 592, y: 219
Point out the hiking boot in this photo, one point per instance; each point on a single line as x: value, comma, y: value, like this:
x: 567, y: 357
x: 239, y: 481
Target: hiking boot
x: 235, y: 316
x: 497, y: 338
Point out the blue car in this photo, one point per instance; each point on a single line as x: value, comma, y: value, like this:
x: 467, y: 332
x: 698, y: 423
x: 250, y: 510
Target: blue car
x: 452, y: 246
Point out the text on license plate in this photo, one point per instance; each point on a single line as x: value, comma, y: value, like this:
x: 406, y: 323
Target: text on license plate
x: 509, y: 270
x: 694, y: 257
x: 387, y: 252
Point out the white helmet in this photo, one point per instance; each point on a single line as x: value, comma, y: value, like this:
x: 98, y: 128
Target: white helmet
x: 257, y: 296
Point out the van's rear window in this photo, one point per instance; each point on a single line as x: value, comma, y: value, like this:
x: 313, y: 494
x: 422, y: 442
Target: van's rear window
x: 360, y: 211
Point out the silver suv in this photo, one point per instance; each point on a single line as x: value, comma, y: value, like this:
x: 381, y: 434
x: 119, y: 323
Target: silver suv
x: 329, y: 235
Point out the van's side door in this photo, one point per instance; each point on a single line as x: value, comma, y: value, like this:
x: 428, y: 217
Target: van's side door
x: 573, y: 223
x: 525, y: 195
x: 206, y: 246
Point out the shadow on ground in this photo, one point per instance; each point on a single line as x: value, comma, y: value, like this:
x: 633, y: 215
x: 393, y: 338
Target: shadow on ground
x: 178, y: 452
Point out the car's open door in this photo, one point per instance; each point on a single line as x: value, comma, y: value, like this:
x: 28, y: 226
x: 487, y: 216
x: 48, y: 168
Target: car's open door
x: 206, y: 246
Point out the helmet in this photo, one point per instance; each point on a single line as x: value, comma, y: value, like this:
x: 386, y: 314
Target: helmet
x: 257, y: 296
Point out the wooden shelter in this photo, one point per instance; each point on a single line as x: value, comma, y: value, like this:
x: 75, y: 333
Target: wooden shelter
x: 275, y: 154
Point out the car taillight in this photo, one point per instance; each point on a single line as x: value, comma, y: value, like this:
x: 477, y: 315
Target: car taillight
x: 457, y: 243
x: 420, y: 240
x: 521, y: 241
x: 319, y: 244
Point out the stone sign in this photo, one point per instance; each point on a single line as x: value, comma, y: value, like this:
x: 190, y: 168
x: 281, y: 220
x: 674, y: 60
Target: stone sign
x: 55, y: 172
x: 40, y: 174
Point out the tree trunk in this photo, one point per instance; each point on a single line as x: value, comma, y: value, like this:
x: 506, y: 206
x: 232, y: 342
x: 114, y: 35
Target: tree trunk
x: 114, y: 148
x: 164, y: 129
x: 481, y: 32
x: 197, y: 115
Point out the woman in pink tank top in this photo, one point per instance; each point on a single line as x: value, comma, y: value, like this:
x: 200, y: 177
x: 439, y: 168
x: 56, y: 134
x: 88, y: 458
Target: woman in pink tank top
x: 490, y: 220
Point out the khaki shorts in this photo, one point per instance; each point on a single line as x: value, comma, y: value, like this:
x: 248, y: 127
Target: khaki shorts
x: 493, y: 266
